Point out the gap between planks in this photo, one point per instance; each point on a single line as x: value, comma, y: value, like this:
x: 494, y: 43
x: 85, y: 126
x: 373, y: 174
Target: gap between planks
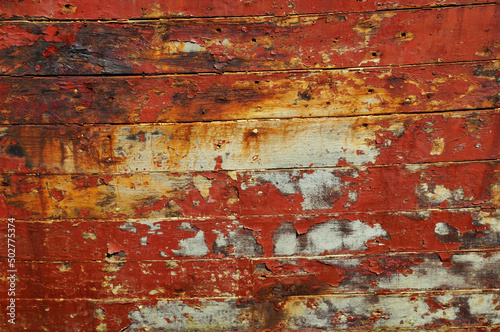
x: 438, y: 164
x: 404, y: 293
x: 228, y: 218
x: 249, y: 72
x: 265, y: 258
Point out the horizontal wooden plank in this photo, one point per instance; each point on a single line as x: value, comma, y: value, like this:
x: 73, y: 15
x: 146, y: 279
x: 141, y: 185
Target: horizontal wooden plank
x: 251, y: 237
x: 160, y: 195
x: 190, y: 98
x: 446, y: 311
x: 115, y: 9
x: 249, y: 145
x: 263, y: 279
x: 118, y: 278
x: 249, y: 44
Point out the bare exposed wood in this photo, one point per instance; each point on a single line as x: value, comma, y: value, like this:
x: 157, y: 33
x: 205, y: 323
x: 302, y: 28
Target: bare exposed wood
x: 249, y: 145
x: 263, y: 279
x: 436, y: 311
x: 246, y: 44
x: 426, y: 88
x: 298, y: 165
x: 389, y: 188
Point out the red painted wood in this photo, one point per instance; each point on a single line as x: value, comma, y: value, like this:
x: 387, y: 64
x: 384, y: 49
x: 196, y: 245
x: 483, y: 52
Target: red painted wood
x: 163, y: 238
x: 370, y: 314
x: 265, y: 144
x: 115, y: 9
x: 390, y: 188
x: 206, y: 45
x: 426, y: 88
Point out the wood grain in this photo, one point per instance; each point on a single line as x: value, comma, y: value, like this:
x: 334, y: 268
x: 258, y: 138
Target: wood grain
x: 279, y: 192
x: 251, y: 44
x: 455, y: 311
x: 295, y: 236
x: 192, y: 98
x: 251, y: 145
x: 250, y: 165
x: 263, y: 279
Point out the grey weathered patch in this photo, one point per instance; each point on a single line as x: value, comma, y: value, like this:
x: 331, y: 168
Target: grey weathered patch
x: 489, y: 238
x: 319, y: 189
x: 469, y: 270
x: 242, y: 241
x: 128, y: 227
x: 325, y: 237
x: 334, y: 312
x: 446, y: 233
x: 176, y: 316
x: 195, y: 246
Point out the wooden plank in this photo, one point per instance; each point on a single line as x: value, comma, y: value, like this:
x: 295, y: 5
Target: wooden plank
x: 426, y: 88
x: 115, y: 9
x: 280, y: 192
x: 252, y: 237
x: 120, y: 278
x: 263, y: 279
x: 446, y: 311
x: 249, y: 44
x: 249, y: 145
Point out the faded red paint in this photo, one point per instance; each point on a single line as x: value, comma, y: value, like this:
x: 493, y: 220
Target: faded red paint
x: 259, y: 166
x: 191, y: 98
x: 323, y: 41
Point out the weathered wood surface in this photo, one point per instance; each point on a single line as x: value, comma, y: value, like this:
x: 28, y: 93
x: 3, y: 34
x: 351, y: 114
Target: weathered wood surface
x: 262, y: 279
x: 191, y: 98
x: 251, y: 165
x: 446, y: 311
x: 246, y: 44
x: 250, y: 145
x: 150, y: 195
x: 145, y: 9
x: 345, y: 233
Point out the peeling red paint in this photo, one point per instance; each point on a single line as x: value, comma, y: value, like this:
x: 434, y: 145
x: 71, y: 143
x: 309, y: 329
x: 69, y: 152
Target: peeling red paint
x: 254, y: 166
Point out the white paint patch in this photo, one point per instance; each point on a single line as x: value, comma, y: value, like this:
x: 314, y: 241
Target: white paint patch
x: 190, y: 47
x: 177, y: 316
x: 195, y: 246
x: 325, y: 237
x: 483, y: 305
x: 442, y: 228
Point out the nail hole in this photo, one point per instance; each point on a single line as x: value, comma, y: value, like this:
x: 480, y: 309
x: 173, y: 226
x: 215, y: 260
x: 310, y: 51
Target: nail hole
x: 254, y: 40
x: 365, y: 125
